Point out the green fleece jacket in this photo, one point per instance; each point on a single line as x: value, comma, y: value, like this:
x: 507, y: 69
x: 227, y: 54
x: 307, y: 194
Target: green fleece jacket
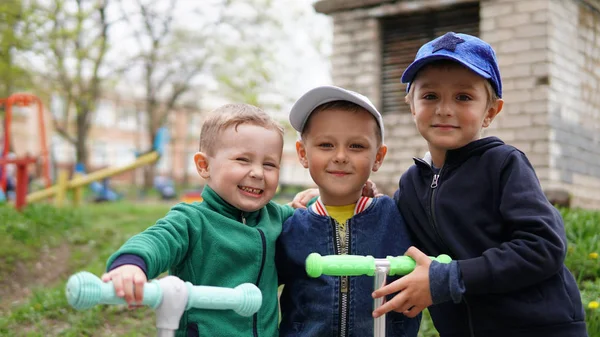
x: 212, y: 243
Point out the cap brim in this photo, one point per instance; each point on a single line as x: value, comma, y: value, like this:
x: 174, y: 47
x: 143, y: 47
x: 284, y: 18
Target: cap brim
x: 312, y: 99
x: 410, y: 72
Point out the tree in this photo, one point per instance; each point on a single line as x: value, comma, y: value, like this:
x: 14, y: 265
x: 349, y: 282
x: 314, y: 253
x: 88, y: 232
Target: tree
x: 73, y: 44
x: 14, y: 39
x: 172, y: 57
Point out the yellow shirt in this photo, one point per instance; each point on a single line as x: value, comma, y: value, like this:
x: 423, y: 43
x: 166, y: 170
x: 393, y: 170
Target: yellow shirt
x: 341, y: 214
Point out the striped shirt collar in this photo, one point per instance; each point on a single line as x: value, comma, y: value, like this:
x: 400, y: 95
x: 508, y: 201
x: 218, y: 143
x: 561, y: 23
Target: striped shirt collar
x: 362, y: 204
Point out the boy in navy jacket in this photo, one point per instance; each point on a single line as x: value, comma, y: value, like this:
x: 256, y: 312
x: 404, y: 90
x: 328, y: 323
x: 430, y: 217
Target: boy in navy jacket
x: 478, y: 200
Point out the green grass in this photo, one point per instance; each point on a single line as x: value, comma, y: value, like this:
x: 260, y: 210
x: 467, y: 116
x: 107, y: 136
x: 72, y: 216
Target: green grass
x: 91, y: 234
x: 42, y: 246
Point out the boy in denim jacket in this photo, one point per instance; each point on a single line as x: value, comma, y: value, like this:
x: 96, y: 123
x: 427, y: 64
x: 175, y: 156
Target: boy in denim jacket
x: 479, y: 201
x: 341, y: 143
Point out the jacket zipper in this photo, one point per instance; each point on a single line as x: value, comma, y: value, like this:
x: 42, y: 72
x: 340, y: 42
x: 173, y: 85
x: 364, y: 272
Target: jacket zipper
x: 344, y: 282
x: 260, y: 271
x: 262, y: 265
x: 469, y: 319
x: 434, y: 185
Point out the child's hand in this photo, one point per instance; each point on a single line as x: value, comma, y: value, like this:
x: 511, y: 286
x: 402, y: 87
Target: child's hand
x: 128, y: 281
x: 370, y: 190
x: 302, y: 198
x: 414, y: 290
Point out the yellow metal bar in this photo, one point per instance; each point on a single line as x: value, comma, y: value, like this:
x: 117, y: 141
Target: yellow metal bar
x: 61, y: 192
x: 77, y: 193
x: 95, y: 176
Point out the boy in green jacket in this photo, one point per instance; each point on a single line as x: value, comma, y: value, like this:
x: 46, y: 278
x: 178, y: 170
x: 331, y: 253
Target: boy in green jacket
x: 226, y: 240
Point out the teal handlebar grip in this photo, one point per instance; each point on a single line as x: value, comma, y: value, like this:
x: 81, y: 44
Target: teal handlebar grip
x: 244, y: 299
x: 402, y: 265
x: 84, y: 290
x: 339, y: 265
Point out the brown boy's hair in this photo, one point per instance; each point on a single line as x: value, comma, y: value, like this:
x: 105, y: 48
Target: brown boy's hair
x: 233, y: 115
x: 339, y: 105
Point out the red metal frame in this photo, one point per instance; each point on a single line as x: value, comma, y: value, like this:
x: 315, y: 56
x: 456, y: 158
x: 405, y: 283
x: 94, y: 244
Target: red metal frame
x: 22, y: 178
x: 23, y: 100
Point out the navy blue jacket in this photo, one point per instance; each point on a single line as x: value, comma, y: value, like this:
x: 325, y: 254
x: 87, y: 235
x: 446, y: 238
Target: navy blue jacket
x: 314, y: 306
x: 487, y: 210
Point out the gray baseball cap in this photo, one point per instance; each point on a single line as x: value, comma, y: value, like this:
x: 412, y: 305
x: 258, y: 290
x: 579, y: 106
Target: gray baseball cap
x: 325, y: 94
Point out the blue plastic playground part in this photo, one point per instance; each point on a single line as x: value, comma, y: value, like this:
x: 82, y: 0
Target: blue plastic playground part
x: 101, y: 190
x: 160, y: 140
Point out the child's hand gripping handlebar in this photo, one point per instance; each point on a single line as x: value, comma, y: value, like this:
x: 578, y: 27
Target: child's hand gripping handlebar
x: 85, y: 290
x: 169, y: 296
x: 354, y: 265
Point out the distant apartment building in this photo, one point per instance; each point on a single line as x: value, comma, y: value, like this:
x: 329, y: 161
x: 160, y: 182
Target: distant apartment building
x: 118, y: 134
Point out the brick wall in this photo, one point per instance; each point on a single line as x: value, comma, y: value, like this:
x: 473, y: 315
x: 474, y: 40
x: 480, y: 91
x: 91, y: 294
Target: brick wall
x: 549, y: 55
x: 574, y: 100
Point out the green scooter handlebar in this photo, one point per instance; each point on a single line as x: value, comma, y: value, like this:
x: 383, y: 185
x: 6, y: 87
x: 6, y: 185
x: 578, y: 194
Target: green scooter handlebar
x: 355, y: 265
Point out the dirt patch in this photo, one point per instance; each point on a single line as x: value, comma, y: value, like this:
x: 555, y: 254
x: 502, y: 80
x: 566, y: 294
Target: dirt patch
x: 51, y: 266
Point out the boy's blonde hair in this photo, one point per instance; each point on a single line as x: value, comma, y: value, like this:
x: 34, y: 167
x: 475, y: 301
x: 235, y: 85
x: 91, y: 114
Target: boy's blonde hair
x: 233, y: 115
x: 447, y: 64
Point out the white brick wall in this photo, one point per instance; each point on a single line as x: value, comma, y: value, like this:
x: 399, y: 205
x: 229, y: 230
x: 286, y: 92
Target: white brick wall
x: 573, y: 103
x: 549, y: 57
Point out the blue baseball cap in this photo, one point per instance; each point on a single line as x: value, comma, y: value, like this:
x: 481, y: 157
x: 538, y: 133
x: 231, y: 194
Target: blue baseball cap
x: 470, y: 51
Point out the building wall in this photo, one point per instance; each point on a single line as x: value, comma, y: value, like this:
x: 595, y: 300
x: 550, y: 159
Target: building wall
x: 548, y: 51
x: 574, y: 99
x: 116, y: 136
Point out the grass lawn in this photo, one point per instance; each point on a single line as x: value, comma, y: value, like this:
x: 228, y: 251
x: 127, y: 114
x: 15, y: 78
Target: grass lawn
x: 41, y: 247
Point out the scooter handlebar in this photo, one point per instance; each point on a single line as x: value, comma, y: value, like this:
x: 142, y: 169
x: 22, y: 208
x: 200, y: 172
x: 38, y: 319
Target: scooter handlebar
x: 85, y: 290
x: 355, y: 265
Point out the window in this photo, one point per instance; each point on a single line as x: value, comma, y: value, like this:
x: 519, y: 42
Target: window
x: 105, y: 113
x: 403, y: 35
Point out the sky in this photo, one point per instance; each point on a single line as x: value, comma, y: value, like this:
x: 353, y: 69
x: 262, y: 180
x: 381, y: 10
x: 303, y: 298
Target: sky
x: 302, y: 52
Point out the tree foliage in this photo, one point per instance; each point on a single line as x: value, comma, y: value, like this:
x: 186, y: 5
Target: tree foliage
x: 14, y: 39
x: 73, y: 43
x: 221, y: 44
x: 165, y: 53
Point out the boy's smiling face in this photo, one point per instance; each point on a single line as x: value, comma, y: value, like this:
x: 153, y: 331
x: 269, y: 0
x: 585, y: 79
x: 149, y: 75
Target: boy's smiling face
x: 340, y: 148
x: 450, y: 106
x: 244, y: 168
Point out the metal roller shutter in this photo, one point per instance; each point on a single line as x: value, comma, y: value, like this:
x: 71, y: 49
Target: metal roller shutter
x: 402, y: 37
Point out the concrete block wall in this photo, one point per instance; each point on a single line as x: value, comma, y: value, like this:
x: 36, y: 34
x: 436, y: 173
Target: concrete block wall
x: 518, y: 31
x: 574, y: 100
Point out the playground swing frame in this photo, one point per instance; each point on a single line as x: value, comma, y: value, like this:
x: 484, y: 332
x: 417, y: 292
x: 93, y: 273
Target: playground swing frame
x: 23, y: 100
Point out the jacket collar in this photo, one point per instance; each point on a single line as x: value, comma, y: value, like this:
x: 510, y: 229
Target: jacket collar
x: 362, y: 204
x: 457, y: 156
x: 215, y: 202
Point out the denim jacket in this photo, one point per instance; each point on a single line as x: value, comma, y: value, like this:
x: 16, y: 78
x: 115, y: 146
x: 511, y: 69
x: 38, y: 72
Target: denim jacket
x: 338, y: 306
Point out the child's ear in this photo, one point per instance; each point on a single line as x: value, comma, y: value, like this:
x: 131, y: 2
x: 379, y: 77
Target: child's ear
x: 381, y: 152
x: 408, y: 100
x: 492, y: 112
x: 201, y: 161
x: 301, y: 151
